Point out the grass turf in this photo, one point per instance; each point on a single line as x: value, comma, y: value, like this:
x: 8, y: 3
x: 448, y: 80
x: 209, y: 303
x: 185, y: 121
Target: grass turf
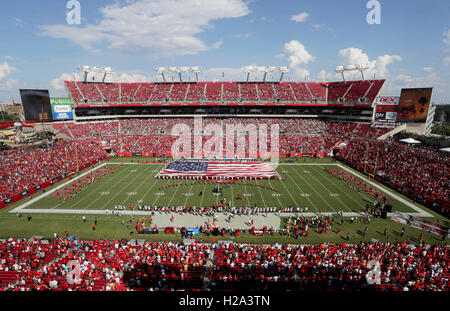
x: 301, y: 185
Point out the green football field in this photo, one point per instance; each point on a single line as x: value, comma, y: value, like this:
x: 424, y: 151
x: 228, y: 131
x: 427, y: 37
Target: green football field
x: 304, y: 185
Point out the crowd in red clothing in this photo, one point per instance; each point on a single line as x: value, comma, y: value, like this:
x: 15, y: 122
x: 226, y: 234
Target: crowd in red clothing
x: 419, y: 172
x: 70, y: 264
x: 98, y: 93
x: 23, y: 168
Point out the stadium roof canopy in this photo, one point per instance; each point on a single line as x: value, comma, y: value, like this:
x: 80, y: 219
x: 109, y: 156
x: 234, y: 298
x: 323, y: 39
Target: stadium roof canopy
x: 445, y: 149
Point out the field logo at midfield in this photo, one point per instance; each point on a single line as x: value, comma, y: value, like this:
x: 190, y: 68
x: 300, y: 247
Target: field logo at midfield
x: 234, y: 136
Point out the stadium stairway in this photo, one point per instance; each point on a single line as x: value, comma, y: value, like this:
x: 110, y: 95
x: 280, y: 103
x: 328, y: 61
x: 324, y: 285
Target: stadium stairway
x: 398, y: 129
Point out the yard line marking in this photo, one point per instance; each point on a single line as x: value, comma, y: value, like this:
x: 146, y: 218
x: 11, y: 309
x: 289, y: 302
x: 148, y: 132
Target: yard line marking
x: 232, y: 194
x: 307, y: 197
x: 281, y: 205
x: 203, y: 194
x: 246, y: 192
x: 100, y: 186
x: 293, y: 200
x: 117, y: 192
x: 146, y: 192
x: 421, y: 212
x: 140, y: 185
x: 43, y: 195
x: 174, y: 193
x: 157, y: 197
x: 337, y: 197
x: 349, y: 196
x: 264, y: 202
x: 326, y: 202
x: 185, y: 200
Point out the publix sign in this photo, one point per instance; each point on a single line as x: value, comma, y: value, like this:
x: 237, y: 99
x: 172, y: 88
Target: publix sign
x: 61, y: 108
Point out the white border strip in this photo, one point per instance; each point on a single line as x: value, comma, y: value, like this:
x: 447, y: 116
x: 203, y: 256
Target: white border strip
x: 421, y: 212
x: 43, y: 195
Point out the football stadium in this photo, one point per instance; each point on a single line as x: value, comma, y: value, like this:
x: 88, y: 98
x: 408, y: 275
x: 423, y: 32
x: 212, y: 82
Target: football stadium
x: 260, y: 183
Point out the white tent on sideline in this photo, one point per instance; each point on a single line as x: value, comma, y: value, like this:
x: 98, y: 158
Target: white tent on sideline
x: 410, y: 141
x: 445, y: 149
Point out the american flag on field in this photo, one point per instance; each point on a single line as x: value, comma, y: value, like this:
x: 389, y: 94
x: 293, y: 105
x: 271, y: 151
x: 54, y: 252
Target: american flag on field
x: 179, y: 169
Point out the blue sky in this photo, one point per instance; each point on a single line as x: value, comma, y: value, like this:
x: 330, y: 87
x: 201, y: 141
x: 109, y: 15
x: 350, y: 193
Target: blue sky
x: 410, y: 48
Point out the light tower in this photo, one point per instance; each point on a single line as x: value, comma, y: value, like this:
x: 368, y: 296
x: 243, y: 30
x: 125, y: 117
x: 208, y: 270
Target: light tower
x: 359, y: 67
x: 179, y: 71
x: 265, y: 69
x: 87, y: 69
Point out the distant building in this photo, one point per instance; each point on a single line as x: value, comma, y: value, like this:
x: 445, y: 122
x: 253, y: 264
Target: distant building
x: 14, y: 109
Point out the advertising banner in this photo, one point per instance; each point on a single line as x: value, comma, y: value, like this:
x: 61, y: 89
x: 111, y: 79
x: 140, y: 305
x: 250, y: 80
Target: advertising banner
x: 61, y: 108
x: 389, y: 100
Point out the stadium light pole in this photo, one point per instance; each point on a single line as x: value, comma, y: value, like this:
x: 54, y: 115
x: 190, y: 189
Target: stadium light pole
x: 178, y: 70
x: 108, y: 70
x: 360, y: 67
x: 283, y: 70
x: 265, y: 69
x: 87, y: 69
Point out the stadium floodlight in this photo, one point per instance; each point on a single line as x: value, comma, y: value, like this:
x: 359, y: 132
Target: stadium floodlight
x: 87, y: 69
x: 283, y: 70
x: 179, y: 71
x: 265, y: 69
x: 359, y: 67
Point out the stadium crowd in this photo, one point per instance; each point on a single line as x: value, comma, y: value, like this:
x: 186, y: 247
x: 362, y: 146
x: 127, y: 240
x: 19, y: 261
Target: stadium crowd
x: 23, y: 168
x: 398, y: 165
x: 77, y: 265
x: 418, y: 171
x: 95, y: 93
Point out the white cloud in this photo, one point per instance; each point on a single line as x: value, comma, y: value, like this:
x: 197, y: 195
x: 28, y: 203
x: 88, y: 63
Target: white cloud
x: 280, y: 56
x: 156, y: 27
x: 297, y: 53
x: 243, y: 35
x: 57, y: 84
x: 382, y: 63
x: 353, y: 56
x: 11, y: 84
x: 317, y: 26
x: 325, y: 76
x: 300, y: 18
x: 298, y: 56
x: 378, y: 66
x: 446, y: 35
x: 229, y: 74
x: 301, y: 73
x: 395, y: 83
x: 428, y: 69
x: 447, y: 61
x: 6, y: 70
x: 130, y: 77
